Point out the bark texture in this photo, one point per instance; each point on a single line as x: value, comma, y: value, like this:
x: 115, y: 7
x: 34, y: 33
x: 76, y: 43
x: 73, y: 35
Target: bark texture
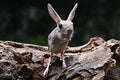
x: 92, y: 61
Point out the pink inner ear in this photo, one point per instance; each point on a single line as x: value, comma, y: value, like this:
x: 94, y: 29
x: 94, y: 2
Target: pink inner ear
x: 57, y: 20
x: 72, y: 13
x: 53, y: 14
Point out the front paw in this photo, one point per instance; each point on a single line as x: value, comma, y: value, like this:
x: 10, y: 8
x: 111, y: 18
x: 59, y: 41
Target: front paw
x: 66, y: 39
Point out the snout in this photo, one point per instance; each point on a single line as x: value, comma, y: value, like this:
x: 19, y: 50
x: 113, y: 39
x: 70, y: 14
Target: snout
x: 69, y: 31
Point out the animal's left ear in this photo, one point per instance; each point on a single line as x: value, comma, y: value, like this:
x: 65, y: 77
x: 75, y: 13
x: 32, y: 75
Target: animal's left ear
x: 72, y: 13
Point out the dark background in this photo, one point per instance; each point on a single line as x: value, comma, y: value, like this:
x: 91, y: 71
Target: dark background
x: 28, y: 20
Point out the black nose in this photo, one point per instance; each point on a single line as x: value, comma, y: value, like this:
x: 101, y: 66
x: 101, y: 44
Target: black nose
x: 69, y: 30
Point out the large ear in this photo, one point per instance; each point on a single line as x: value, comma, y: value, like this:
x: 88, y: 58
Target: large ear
x: 53, y: 14
x: 72, y: 13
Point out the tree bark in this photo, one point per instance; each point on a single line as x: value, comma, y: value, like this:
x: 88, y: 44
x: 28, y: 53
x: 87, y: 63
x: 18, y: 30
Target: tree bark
x: 92, y: 61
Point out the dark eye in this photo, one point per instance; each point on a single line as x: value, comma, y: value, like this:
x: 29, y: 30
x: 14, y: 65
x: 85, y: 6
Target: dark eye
x: 60, y: 26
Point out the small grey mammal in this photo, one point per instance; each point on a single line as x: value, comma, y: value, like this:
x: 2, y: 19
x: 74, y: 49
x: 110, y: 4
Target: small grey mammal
x: 59, y: 38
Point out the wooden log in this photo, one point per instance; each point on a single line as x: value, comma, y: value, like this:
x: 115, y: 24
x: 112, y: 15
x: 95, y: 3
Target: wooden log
x: 92, y: 61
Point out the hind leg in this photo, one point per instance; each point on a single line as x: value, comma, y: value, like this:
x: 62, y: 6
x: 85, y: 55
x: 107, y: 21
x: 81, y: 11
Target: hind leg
x: 63, y: 60
x: 48, y: 65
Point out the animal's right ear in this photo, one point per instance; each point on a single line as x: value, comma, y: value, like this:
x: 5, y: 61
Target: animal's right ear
x: 53, y: 14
